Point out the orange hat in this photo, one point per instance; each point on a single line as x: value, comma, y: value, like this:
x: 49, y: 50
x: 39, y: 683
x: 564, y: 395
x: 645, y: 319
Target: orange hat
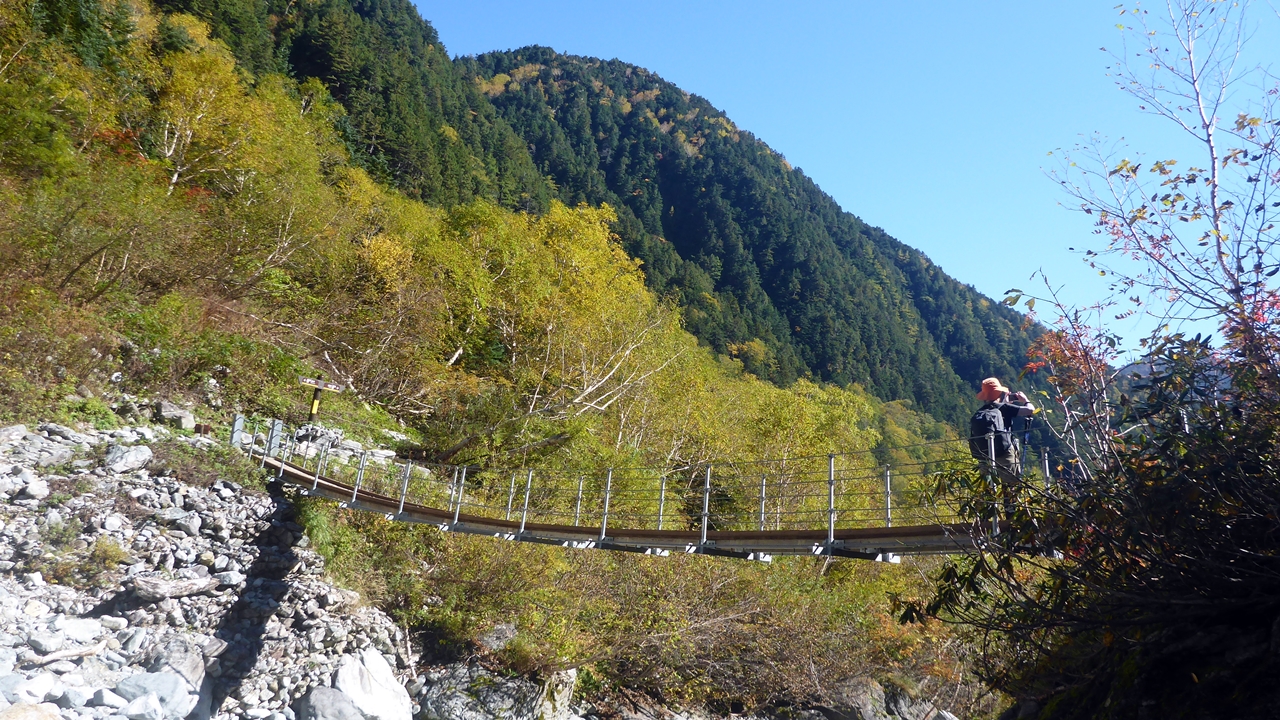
x: 991, y: 390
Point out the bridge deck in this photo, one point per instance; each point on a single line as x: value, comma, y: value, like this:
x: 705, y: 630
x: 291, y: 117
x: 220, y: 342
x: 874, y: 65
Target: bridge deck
x: 883, y: 543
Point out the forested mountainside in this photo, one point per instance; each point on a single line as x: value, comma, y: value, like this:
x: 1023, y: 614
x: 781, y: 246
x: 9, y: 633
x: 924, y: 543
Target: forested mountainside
x: 767, y: 266
x: 411, y: 118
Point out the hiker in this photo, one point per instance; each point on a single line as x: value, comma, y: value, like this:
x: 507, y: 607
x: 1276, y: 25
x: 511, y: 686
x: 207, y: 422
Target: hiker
x: 995, y: 418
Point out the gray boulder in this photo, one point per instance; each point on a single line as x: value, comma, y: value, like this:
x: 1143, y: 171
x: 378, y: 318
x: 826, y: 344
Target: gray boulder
x: 127, y: 458
x: 82, y: 630
x: 900, y: 704
x: 9, y: 683
x: 498, y: 637
x: 557, y: 695
x: 368, y: 680
x: 862, y: 698
x: 36, y: 489
x: 189, y: 524
x: 145, y: 707
x: 175, y: 415
x: 171, y: 515
x: 182, y: 656
x: 37, y: 689
x: 324, y: 703
x: 66, y: 433
x: 12, y: 433
x: 45, y: 643
x: 204, y: 702
x: 859, y: 698
x: 169, y: 688
x: 230, y: 577
x: 105, y: 698
x: 470, y: 692
x: 56, y: 456
x: 72, y: 698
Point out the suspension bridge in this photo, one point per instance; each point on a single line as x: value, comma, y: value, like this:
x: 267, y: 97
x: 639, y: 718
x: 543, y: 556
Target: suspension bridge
x: 837, y: 505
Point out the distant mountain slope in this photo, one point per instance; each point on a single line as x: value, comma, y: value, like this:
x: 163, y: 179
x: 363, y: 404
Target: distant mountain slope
x: 767, y: 266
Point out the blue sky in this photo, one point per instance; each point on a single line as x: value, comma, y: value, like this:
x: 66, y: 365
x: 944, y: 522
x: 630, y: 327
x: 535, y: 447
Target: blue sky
x: 932, y: 121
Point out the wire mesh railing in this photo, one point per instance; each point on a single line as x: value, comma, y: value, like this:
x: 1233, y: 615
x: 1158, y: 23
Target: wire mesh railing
x: 832, y: 492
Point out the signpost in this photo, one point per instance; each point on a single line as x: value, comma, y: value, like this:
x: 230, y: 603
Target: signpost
x: 320, y: 386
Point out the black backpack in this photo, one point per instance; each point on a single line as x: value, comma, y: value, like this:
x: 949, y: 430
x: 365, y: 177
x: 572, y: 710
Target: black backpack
x: 988, y: 420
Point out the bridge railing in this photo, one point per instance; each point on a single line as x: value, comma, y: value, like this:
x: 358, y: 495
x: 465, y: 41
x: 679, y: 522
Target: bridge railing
x: 833, y: 492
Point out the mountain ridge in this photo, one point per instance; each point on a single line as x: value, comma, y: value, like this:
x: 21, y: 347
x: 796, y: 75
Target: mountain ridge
x: 769, y: 268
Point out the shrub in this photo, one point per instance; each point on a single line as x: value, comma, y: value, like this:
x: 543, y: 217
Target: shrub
x: 106, y: 555
x: 92, y: 411
x: 61, y: 534
x: 89, y: 569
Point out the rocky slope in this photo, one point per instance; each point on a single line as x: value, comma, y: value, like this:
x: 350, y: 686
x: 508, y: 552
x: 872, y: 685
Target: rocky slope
x: 127, y: 591
x: 177, y: 600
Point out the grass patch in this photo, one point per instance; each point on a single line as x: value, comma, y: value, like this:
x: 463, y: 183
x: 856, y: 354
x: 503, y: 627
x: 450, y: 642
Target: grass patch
x: 87, y: 569
x: 91, y: 411
x: 58, y: 499
x: 74, y: 486
x: 204, y: 467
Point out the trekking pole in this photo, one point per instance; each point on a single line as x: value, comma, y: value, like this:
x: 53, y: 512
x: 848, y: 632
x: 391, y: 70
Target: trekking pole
x: 991, y: 479
x: 1026, y: 439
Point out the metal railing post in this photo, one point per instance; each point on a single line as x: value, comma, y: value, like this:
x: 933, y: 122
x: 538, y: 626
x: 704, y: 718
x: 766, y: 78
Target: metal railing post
x: 462, y: 483
x: 706, y: 504
x: 831, y: 500
x: 277, y: 429
x: 577, y: 506
x: 364, y: 458
x: 453, y: 488
x: 320, y: 456
x: 888, y: 497
x: 524, y: 514
x: 253, y: 439
x: 662, y: 499
x: 763, y: 478
x: 404, y: 486
x: 604, y: 516
x: 285, y: 456
x: 511, y: 496
x: 237, y: 428
x: 328, y: 448
x: 266, y: 449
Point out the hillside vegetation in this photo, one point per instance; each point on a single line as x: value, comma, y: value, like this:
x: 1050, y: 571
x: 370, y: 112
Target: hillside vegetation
x: 177, y: 219
x: 764, y: 266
